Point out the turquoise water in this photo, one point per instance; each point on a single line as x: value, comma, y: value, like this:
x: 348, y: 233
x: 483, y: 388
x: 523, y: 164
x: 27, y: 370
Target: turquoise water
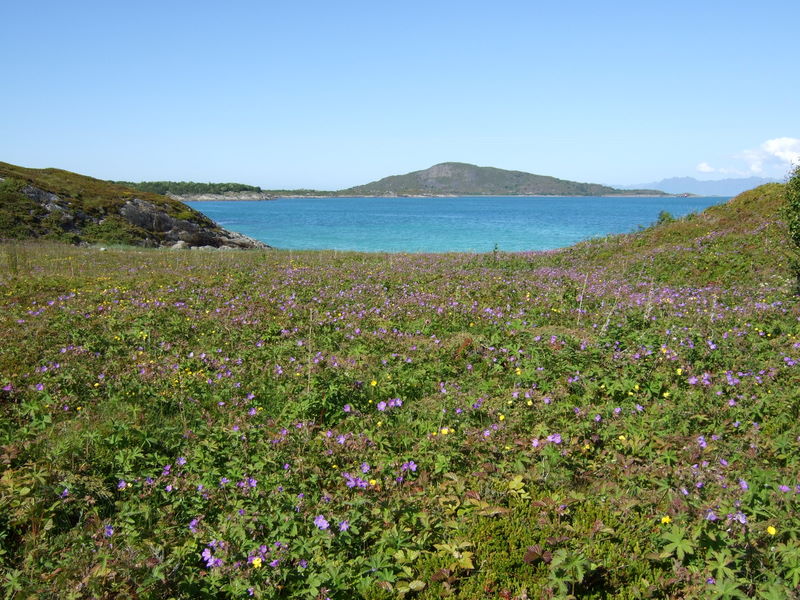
x: 464, y: 224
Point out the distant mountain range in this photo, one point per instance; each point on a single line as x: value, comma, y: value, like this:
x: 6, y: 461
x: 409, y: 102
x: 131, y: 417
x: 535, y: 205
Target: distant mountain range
x: 719, y: 187
x: 462, y: 179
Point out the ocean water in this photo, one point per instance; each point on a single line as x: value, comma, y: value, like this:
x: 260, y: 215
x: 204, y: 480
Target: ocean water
x: 462, y: 224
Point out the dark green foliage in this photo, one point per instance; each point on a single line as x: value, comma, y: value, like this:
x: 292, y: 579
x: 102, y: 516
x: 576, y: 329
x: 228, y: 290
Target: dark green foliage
x: 793, y: 206
x: 115, y: 230
x: 793, y: 218
x: 187, y: 187
x: 664, y: 217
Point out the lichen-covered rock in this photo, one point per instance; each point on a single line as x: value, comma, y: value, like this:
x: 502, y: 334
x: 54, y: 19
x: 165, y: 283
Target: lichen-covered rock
x: 162, y: 229
x: 71, y: 207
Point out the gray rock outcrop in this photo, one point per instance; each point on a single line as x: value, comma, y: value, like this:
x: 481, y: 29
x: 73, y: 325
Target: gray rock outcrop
x: 162, y: 229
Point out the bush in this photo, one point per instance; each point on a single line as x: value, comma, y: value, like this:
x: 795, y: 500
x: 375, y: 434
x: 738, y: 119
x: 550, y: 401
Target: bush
x: 793, y: 217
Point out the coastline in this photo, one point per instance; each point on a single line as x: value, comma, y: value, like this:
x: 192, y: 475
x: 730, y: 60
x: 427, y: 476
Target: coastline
x: 270, y: 197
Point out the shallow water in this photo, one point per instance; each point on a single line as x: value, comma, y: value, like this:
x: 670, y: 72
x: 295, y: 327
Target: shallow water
x: 460, y: 224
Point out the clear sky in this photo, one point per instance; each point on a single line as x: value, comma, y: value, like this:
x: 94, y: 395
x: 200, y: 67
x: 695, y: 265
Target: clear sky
x: 333, y: 94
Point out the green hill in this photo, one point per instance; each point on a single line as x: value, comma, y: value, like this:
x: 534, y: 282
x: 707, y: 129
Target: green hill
x: 60, y: 205
x: 461, y: 179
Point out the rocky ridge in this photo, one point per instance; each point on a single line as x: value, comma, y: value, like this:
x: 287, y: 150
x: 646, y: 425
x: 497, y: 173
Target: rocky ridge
x: 66, y: 206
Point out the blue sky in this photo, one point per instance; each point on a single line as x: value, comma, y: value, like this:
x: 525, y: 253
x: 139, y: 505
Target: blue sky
x: 333, y: 94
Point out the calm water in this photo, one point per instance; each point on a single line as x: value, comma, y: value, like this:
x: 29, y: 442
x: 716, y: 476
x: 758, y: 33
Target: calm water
x: 465, y: 224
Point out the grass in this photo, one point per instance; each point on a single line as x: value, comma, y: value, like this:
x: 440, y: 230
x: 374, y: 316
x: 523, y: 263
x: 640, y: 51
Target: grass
x: 615, y: 420
x: 90, y: 208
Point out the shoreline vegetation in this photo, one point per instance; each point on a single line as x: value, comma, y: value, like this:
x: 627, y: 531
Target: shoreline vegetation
x: 616, y: 419
x: 442, y: 180
x: 268, y: 196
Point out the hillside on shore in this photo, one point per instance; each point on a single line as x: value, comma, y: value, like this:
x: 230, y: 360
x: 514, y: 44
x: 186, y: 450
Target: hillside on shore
x: 65, y: 206
x: 462, y: 179
x: 445, y: 179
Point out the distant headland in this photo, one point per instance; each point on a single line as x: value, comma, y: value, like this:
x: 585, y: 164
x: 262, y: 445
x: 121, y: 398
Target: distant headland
x: 444, y: 179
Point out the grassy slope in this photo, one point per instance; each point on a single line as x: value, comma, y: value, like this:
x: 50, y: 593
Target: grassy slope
x: 575, y: 418
x: 21, y: 217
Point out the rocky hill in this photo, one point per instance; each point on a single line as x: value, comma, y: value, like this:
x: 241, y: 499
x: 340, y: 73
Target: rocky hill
x: 56, y: 204
x: 461, y: 179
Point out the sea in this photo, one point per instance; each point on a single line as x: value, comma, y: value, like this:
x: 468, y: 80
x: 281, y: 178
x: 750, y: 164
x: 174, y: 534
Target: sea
x: 451, y: 224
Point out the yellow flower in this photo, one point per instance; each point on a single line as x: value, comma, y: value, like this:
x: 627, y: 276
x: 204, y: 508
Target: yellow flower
x: 380, y: 423
x: 666, y: 519
x: 771, y: 530
x: 502, y: 417
x: 445, y: 431
x: 373, y: 482
x: 529, y: 403
x: 373, y: 383
x: 519, y: 371
x: 256, y: 562
x: 622, y: 438
x: 679, y: 371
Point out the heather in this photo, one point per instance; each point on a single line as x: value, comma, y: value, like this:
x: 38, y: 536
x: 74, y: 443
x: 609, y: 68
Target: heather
x: 618, y: 419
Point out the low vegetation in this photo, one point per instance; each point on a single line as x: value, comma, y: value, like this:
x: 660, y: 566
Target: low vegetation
x: 619, y: 419
x: 188, y: 187
x: 69, y: 207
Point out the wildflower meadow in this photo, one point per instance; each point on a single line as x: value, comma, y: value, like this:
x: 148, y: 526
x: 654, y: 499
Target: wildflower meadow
x: 618, y: 419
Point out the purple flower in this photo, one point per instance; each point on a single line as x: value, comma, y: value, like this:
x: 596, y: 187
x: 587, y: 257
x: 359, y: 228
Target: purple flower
x: 108, y: 531
x: 211, y: 561
x: 381, y: 406
x: 223, y: 481
x: 321, y: 522
x: 365, y: 467
x: 347, y: 408
x: 738, y: 516
x: 65, y: 493
x: 193, y: 525
x: 743, y: 485
x: 181, y: 461
x: 122, y: 484
x: 555, y: 438
x: 344, y: 525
